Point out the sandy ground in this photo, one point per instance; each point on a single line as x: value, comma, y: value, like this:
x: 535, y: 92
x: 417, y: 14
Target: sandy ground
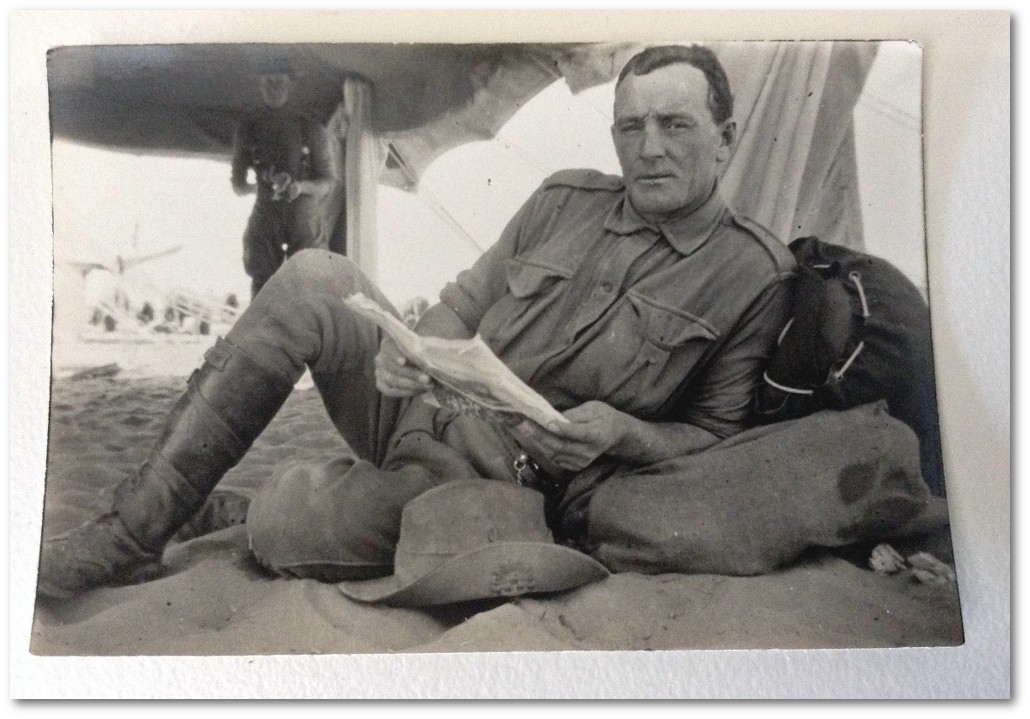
x: 211, y: 599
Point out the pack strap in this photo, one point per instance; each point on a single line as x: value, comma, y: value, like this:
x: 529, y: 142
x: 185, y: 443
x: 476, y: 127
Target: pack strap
x: 856, y: 278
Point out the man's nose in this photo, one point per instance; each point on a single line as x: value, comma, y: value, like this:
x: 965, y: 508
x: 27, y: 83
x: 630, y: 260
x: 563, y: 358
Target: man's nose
x: 652, y: 143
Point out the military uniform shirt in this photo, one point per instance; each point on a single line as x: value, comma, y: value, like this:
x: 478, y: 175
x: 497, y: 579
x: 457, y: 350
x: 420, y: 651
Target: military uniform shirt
x: 585, y: 300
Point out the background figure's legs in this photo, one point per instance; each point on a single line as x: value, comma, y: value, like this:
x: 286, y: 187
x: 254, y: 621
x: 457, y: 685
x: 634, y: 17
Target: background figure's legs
x: 263, y: 252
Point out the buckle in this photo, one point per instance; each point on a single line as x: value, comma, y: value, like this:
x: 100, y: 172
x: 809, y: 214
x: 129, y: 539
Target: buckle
x: 219, y: 354
x: 525, y: 471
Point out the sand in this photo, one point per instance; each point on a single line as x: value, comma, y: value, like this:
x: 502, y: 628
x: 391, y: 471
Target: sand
x: 212, y: 600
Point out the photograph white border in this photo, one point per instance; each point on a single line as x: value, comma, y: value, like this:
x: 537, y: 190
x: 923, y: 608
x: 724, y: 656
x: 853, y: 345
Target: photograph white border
x: 967, y: 145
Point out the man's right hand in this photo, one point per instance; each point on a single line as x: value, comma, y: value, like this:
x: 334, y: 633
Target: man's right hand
x: 243, y: 189
x: 396, y: 375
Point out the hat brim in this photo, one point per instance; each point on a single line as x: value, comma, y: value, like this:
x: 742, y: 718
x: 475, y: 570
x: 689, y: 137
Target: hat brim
x: 503, y: 569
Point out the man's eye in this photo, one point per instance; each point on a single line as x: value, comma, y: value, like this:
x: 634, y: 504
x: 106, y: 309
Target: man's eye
x: 677, y: 124
x: 630, y: 127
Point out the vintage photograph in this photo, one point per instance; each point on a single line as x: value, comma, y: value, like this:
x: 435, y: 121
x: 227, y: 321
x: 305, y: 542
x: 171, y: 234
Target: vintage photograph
x: 416, y: 348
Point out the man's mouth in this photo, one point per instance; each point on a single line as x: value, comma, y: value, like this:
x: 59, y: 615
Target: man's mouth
x: 653, y: 178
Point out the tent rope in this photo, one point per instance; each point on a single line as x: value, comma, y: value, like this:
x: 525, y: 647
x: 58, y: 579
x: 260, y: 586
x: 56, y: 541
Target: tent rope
x: 435, y: 205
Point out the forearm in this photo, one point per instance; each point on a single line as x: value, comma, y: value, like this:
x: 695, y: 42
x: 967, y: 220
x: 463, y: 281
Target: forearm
x: 244, y: 188
x: 596, y: 429
x: 642, y: 443
x: 315, y: 188
x: 238, y: 178
x: 240, y: 165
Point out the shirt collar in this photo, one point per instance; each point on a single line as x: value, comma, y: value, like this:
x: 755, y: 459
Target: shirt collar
x: 686, y: 234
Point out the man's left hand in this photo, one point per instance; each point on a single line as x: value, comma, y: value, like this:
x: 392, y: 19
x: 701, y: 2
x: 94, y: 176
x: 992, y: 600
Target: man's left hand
x: 593, y: 428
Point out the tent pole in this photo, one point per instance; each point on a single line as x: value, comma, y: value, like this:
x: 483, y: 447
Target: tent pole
x: 334, y: 210
x: 357, y: 157
x: 363, y: 164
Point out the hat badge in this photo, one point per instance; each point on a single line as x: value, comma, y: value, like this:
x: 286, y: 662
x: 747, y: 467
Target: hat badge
x: 512, y: 579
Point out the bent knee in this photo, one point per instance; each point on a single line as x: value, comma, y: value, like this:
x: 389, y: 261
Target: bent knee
x: 317, y: 271
x: 314, y: 262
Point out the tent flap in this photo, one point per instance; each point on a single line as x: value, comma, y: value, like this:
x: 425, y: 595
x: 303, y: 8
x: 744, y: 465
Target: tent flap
x: 186, y: 99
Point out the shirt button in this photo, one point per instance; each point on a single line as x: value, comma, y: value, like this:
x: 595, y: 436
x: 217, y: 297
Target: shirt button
x: 606, y: 287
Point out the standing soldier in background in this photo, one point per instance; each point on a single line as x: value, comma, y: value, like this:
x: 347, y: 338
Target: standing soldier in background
x: 289, y: 153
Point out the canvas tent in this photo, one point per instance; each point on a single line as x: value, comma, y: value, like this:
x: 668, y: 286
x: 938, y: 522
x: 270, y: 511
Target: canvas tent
x: 793, y: 170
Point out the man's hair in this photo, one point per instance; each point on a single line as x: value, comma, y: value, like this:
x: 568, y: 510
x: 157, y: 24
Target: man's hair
x: 720, y: 99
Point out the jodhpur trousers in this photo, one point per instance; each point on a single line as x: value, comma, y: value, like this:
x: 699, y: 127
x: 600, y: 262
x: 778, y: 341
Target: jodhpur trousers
x: 341, y: 520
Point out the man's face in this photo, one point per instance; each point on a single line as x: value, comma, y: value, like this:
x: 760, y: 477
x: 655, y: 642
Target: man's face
x: 669, y: 147
x: 275, y: 88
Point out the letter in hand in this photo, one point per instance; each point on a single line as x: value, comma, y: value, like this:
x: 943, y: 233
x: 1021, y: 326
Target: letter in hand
x: 396, y: 375
x: 593, y: 428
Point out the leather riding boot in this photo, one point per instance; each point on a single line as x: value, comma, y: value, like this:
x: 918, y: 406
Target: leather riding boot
x: 227, y: 404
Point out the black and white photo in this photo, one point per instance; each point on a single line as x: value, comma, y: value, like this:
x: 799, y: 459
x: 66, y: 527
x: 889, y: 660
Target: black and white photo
x: 364, y: 348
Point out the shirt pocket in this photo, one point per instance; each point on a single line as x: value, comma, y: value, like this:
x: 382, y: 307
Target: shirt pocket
x: 668, y: 328
x: 527, y: 279
x: 670, y: 344
x: 532, y: 291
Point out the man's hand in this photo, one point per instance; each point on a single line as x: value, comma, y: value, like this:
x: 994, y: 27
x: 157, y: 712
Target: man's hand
x: 593, y: 428
x: 396, y: 376
x: 292, y: 190
x: 243, y: 188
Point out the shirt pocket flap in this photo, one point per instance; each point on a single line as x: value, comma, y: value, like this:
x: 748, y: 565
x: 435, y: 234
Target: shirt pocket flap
x: 526, y: 279
x: 669, y: 328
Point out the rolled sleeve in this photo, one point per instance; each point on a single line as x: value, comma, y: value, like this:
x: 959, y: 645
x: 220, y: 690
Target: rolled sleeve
x: 464, y: 304
x: 475, y: 290
x: 721, y: 400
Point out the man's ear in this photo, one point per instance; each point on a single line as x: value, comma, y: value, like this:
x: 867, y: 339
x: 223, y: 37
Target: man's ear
x: 728, y: 138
